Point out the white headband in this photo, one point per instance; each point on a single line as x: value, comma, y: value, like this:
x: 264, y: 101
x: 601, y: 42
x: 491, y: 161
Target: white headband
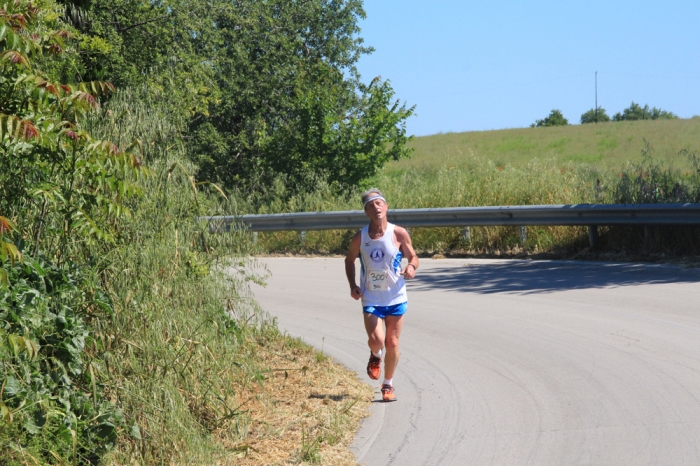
x: 372, y: 199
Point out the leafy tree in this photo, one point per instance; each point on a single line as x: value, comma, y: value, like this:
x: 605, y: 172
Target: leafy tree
x: 555, y: 118
x: 166, y: 45
x: 47, y: 160
x: 637, y: 112
x: 591, y: 116
x: 269, y: 88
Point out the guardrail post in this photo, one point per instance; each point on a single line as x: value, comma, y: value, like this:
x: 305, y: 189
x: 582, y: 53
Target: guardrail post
x: 466, y: 234
x: 523, y: 234
x: 214, y: 227
x: 648, y: 234
x: 255, y: 237
x: 302, y: 236
x: 592, y: 235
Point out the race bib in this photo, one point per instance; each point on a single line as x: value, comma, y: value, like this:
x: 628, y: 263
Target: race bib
x: 377, y: 280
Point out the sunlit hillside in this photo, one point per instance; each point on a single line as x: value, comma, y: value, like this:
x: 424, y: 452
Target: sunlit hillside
x: 603, y: 145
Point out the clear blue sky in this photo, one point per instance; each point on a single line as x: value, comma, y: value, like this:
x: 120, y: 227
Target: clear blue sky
x: 479, y: 65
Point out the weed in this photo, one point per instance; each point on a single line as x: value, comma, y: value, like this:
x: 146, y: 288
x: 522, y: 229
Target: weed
x: 310, y: 449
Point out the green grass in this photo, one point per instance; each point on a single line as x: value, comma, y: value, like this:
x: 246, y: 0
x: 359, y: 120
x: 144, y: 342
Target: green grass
x: 474, y: 183
x: 506, y: 168
x: 605, y: 145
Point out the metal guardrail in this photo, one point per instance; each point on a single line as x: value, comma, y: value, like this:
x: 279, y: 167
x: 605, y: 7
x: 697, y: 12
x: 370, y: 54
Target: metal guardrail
x: 591, y: 215
x: 572, y: 215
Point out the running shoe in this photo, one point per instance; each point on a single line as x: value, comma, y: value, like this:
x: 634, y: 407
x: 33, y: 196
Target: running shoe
x: 388, y: 393
x: 374, y: 366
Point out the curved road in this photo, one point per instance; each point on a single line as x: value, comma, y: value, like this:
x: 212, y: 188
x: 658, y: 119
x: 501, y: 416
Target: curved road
x: 518, y: 362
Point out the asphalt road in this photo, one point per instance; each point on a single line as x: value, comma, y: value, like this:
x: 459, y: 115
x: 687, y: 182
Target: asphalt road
x: 518, y: 362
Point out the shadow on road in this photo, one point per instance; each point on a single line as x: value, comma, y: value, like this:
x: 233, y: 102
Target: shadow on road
x: 546, y: 276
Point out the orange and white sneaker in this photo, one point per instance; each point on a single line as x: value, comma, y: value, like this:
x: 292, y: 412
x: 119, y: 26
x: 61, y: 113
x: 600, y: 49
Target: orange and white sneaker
x: 374, y: 366
x: 388, y: 393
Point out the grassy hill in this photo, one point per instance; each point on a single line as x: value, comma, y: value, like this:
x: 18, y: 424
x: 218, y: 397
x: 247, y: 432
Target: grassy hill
x: 605, y: 145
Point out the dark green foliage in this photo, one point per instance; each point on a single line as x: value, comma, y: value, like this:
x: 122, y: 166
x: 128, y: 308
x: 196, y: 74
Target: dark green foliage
x: 52, y: 399
x: 166, y: 45
x: 75, y: 184
x: 555, y: 118
x: 135, y: 329
x: 637, y: 112
x: 592, y: 116
x: 269, y: 88
x: 305, y: 115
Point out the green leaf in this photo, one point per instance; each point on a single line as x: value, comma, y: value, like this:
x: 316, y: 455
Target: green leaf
x: 65, y: 433
x: 12, y: 386
x: 30, y: 426
x: 37, y: 268
x: 32, y: 348
x: 11, y: 251
x: 5, y: 413
x: 16, y: 343
x: 135, y: 431
x: 107, y: 432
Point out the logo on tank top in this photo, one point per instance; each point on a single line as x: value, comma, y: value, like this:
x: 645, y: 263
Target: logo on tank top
x: 377, y: 254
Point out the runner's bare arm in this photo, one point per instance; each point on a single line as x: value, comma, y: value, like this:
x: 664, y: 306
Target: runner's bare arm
x: 406, y: 247
x: 353, y: 253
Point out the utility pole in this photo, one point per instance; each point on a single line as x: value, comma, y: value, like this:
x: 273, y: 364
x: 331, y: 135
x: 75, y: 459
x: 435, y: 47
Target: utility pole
x: 596, y: 97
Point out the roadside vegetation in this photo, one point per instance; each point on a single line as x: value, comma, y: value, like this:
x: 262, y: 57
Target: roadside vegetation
x: 632, y: 162
x: 128, y: 333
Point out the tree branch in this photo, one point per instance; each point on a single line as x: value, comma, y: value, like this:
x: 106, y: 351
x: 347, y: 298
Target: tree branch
x: 135, y: 25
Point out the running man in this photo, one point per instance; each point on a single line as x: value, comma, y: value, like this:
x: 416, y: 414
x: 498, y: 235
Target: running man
x: 380, y: 247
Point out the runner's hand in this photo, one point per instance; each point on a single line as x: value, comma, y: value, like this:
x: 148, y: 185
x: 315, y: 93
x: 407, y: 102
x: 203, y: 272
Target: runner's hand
x: 409, y: 271
x: 355, y: 292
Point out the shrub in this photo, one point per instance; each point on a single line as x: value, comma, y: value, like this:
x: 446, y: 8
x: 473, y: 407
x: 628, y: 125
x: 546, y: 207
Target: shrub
x: 592, y: 116
x: 52, y: 403
x: 555, y: 118
x: 637, y: 112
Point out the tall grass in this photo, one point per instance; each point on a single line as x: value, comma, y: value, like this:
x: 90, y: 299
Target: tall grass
x: 182, y: 341
x: 474, y: 183
x: 181, y: 348
x: 194, y: 362
x: 188, y: 353
x: 470, y: 180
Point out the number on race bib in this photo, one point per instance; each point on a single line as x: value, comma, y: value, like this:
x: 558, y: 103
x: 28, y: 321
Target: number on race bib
x: 377, y: 280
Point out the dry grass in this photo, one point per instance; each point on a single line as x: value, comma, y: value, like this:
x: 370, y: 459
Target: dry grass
x: 306, y: 412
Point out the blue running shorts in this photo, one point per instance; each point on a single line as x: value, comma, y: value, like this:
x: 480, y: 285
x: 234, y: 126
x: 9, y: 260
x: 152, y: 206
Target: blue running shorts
x: 383, y: 311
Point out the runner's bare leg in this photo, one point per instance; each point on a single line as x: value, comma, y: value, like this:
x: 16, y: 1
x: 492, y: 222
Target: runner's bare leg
x: 375, y: 332
x: 393, y: 332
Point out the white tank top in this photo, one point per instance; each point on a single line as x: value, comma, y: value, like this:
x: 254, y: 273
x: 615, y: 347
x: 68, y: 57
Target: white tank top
x: 380, y: 262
